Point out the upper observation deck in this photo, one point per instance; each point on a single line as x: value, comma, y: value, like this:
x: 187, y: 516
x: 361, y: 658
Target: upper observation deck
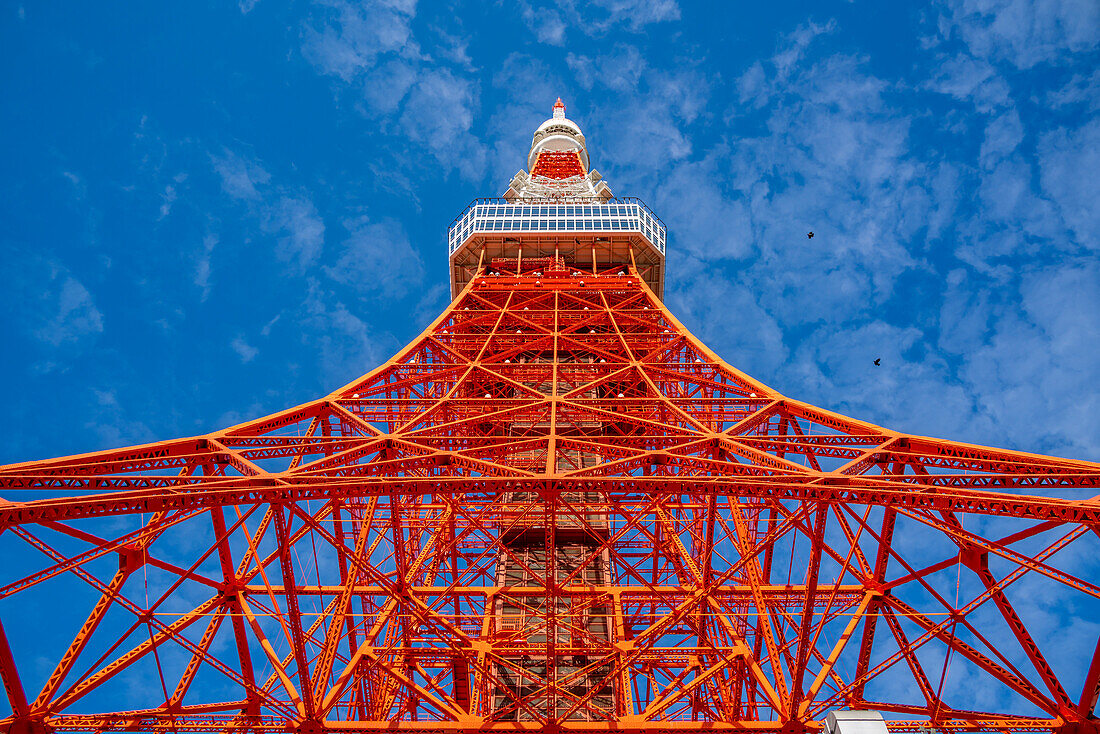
x: 587, y: 233
x: 528, y: 216
x: 558, y: 208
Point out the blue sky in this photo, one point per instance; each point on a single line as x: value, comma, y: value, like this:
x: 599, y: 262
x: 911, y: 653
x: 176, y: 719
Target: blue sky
x: 214, y: 214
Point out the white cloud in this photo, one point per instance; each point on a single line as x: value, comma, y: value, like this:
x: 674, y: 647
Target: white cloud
x: 1002, y: 136
x: 112, y: 424
x: 1061, y: 213
x: 546, y: 23
x: 432, y: 300
x: 835, y: 160
x: 911, y: 386
x: 965, y: 78
x: 1069, y: 160
x: 240, y: 177
x: 966, y: 313
x: 302, y: 233
x: 244, y: 350
x: 454, y: 48
x: 292, y: 217
x: 166, y: 201
x: 1024, y: 32
x: 788, y: 56
x: 642, y: 136
x: 1080, y: 89
x: 353, y: 35
x: 266, y: 331
x: 639, y: 13
x: 726, y: 316
x: 439, y: 114
x: 707, y: 221
x: 550, y: 23
x: 344, y: 345
x: 73, y: 314
x: 202, y: 267
x: 44, y: 300
x: 386, y: 86
x: 105, y: 398
x: 1014, y: 332
x: 377, y: 260
x: 1040, y: 361
x: 619, y: 70
x: 430, y: 99
x: 756, y: 85
x: 1007, y: 195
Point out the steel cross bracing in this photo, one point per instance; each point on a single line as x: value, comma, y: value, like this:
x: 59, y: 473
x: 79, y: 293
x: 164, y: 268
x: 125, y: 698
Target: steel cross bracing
x: 554, y: 510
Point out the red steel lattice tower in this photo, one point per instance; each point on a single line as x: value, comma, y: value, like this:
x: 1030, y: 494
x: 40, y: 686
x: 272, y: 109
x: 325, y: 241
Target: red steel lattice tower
x: 554, y: 510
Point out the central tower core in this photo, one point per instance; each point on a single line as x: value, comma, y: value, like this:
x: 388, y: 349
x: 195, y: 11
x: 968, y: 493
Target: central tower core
x: 558, y: 216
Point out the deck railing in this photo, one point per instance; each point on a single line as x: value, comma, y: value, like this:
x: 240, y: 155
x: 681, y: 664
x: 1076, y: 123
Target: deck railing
x: 614, y: 216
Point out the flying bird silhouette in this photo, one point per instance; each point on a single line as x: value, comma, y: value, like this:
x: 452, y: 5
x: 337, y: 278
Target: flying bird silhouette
x: 809, y: 235
x: 878, y: 362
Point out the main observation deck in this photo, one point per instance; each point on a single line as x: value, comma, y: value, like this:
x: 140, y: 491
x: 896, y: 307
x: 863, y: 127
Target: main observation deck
x: 589, y: 234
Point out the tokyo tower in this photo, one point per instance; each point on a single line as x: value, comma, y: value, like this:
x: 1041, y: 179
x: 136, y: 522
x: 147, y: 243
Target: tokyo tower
x: 555, y: 510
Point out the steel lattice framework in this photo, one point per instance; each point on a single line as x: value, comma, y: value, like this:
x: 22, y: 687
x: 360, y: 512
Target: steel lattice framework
x: 554, y: 510
x: 743, y: 557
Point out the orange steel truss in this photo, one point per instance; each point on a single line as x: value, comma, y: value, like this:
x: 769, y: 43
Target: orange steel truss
x: 558, y: 164
x: 554, y: 510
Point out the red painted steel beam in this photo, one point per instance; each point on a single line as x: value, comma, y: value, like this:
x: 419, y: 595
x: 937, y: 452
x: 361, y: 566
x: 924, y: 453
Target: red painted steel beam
x: 699, y: 486
x: 845, y: 491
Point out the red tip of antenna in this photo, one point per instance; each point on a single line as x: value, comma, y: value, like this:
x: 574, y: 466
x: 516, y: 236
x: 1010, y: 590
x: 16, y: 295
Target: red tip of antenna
x: 559, y: 103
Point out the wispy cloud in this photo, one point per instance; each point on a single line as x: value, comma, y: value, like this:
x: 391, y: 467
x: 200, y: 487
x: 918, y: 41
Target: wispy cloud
x: 51, y: 317
x: 47, y: 301
x: 438, y: 113
x: 550, y: 21
x: 1081, y: 90
x: 378, y: 260
x: 70, y: 311
x: 343, y: 344
x: 835, y: 160
x: 111, y: 423
x: 290, y: 216
x: 240, y: 177
x: 643, y: 125
x: 1069, y: 159
x: 547, y: 24
x: 244, y: 350
x: 350, y: 37
x: 1038, y: 360
x: 167, y: 199
x: 1023, y: 32
x: 619, y: 70
x: 203, y: 266
x: 294, y: 219
x: 971, y: 80
x: 386, y: 86
x: 428, y: 100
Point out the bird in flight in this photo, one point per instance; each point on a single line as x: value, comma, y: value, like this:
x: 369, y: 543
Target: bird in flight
x: 809, y: 235
x: 878, y: 362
